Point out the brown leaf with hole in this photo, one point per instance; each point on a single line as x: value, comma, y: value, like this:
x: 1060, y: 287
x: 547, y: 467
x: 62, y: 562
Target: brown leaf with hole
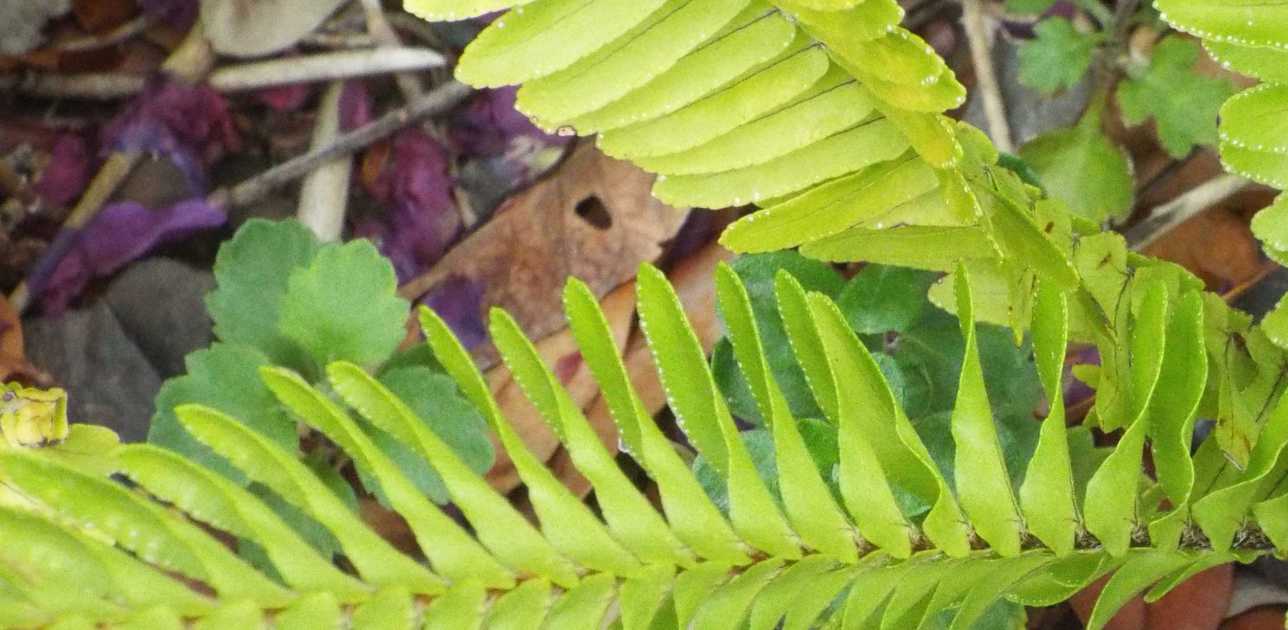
x: 694, y: 281
x: 594, y: 218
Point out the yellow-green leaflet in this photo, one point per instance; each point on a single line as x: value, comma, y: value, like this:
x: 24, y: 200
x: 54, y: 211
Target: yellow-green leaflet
x: 866, y: 144
x: 1111, y: 507
x: 1243, y: 22
x: 867, y: 20
x: 932, y: 247
x: 1267, y: 64
x: 313, y: 610
x: 1142, y: 569
x: 158, y: 537
x: 269, y: 464
x: 1009, y: 572
x: 829, y: 5
x: 831, y: 208
x: 584, y: 605
x: 810, y: 508
x: 1263, y: 167
x: 696, y: 520
x: 642, y: 596
x: 742, y: 102
x: 767, y: 610
x: 1222, y: 512
x: 451, y: 10
x: 1171, y: 417
x: 631, y: 61
x: 630, y: 517
x: 983, y: 486
x: 704, y: 417
x: 834, y: 104
x: 450, y: 549
x: 214, y: 500
x: 566, y: 521
x: 1047, y: 495
x: 390, y: 608
x: 755, y: 37
x: 867, y: 464
x: 1257, y: 119
x: 806, y: 341
x: 538, y: 39
x: 501, y: 529
x: 728, y: 605
x: 520, y: 608
x: 460, y: 608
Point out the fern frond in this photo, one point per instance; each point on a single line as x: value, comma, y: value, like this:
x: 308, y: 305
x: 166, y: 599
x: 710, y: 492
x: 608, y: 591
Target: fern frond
x: 829, y: 116
x: 895, y: 544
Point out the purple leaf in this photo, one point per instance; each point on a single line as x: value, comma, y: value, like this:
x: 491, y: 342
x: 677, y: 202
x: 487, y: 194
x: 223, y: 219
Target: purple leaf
x: 119, y: 234
x: 67, y: 173
x: 416, y: 190
x: 459, y: 301
x: 179, y: 14
x: 185, y: 123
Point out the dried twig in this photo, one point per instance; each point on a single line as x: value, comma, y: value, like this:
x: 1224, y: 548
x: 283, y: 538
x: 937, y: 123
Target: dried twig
x: 323, y: 67
x: 237, y: 78
x: 324, y: 194
x: 110, y: 38
x: 980, y: 37
x: 433, y: 102
x: 1169, y: 215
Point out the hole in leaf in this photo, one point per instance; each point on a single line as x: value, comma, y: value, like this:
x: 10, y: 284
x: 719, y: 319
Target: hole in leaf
x: 593, y: 211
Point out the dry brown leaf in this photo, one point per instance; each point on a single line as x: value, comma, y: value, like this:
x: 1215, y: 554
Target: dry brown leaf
x: 98, y: 16
x: 694, y: 280
x: 594, y: 218
x: 1216, y: 245
x: 560, y: 352
x: 13, y: 360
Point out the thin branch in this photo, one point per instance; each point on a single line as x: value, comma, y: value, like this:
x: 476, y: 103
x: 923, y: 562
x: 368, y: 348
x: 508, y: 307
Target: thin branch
x: 329, y: 66
x: 324, y: 67
x: 110, y: 38
x: 324, y: 193
x: 980, y: 37
x: 1166, y: 217
x: 436, y: 101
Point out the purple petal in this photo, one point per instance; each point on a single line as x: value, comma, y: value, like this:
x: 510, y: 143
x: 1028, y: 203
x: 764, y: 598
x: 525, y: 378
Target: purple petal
x: 185, y: 123
x: 285, y: 98
x: 67, y: 173
x: 416, y: 189
x: 355, y: 106
x: 459, y: 301
x: 179, y: 14
x: 119, y: 234
x: 490, y: 125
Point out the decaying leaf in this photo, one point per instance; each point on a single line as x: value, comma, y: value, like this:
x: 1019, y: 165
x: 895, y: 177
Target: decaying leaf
x: 252, y: 28
x: 594, y: 219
